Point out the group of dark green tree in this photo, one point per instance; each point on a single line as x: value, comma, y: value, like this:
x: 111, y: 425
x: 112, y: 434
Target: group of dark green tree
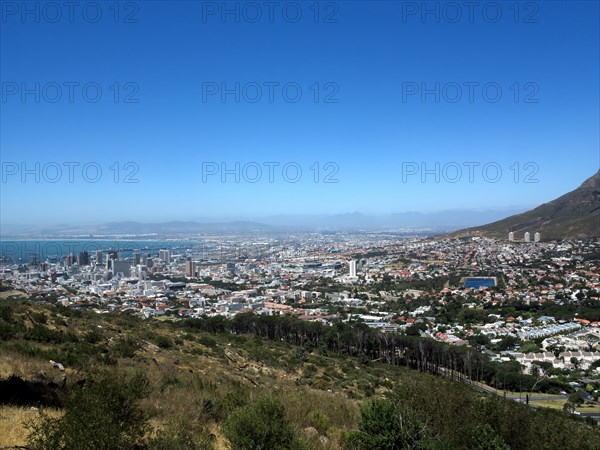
x: 358, y: 340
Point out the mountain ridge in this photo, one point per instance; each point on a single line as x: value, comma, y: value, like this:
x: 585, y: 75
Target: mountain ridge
x: 574, y: 215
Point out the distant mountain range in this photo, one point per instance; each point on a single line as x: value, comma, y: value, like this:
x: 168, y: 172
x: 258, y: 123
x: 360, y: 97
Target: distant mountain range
x: 575, y: 215
x: 440, y: 221
x: 437, y: 222
x: 162, y: 229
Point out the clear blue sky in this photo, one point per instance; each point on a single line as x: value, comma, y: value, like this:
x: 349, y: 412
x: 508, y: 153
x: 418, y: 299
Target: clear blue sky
x: 371, y: 53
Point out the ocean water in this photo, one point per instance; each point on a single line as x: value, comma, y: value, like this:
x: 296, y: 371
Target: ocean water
x: 23, y: 251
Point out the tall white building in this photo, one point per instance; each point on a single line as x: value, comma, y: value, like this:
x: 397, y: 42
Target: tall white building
x: 352, y: 268
x: 165, y: 255
x: 527, y: 237
x: 141, y: 271
x: 511, y: 236
x: 537, y: 237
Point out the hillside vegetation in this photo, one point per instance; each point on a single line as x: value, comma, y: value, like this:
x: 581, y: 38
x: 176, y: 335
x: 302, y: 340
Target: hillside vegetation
x: 161, y: 385
x: 575, y: 215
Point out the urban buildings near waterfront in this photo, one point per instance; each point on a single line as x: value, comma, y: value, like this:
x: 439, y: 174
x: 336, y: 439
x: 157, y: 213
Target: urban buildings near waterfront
x: 403, y: 282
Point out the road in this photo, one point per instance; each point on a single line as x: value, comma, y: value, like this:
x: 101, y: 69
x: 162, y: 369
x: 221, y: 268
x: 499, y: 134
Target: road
x: 522, y: 397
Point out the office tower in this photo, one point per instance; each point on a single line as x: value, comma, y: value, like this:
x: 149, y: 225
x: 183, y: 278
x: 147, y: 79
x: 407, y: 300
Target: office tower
x: 99, y: 256
x: 527, y: 237
x: 231, y: 268
x: 84, y: 258
x: 136, y: 258
x: 69, y: 260
x: 121, y: 267
x: 352, y: 268
x: 189, y: 268
x: 165, y: 255
x: 511, y: 237
x: 537, y: 237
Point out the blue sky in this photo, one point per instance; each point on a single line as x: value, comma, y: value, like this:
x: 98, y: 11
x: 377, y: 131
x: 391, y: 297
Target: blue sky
x: 360, y: 67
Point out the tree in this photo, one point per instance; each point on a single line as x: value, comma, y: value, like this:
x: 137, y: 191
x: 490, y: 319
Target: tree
x: 386, y: 426
x: 529, y: 347
x: 103, y: 414
x: 507, y: 343
x: 576, y: 398
x: 575, y: 362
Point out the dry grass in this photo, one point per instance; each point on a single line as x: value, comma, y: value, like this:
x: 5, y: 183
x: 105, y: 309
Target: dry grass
x: 12, y: 363
x: 551, y: 404
x: 559, y: 405
x: 6, y: 294
x: 13, y: 420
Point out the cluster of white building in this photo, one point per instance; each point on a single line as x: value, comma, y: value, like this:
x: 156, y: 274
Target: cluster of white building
x: 526, y: 237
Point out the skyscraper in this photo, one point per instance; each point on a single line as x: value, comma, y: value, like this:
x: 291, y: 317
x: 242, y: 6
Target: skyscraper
x: 527, y: 237
x: 69, y: 260
x: 165, y: 255
x: 352, y: 268
x: 511, y: 236
x: 141, y: 271
x: 537, y: 237
x: 231, y: 268
x: 189, y: 268
x: 112, y: 256
x: 84, y: 258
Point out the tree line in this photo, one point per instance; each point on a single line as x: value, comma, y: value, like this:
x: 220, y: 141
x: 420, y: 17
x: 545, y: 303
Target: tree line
x: 358, y: 340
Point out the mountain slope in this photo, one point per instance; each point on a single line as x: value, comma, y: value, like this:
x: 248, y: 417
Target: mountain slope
x: 575, y: 215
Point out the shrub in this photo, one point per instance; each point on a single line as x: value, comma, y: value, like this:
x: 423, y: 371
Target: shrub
x: 319, y: 420
x: 7, y: 331
x: 207, y: 341
x: 6, y: 312
x: 125, y: 347
x: 182, y: 435
x: 384, y: 425
x: 487, y: 439
x: 39, y: 318
x: 93, y: 337
x: 163, y: 342
x: 260, y: 426
x: 40, y: 333
x: 225, y: 405
x: 101, y: 414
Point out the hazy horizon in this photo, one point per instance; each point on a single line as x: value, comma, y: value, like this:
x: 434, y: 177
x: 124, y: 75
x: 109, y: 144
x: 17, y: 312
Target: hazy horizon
x: 282, y: 219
